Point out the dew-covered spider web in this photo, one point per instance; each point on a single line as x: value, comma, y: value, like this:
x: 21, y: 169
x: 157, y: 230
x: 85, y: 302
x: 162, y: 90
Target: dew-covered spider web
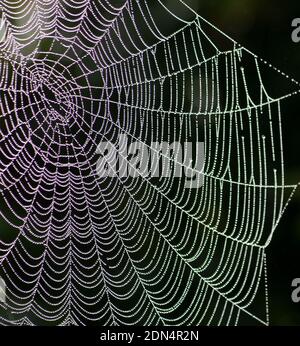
x: 80, y: 248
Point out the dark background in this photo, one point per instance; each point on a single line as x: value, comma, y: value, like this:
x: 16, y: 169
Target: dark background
x: 264, y: 27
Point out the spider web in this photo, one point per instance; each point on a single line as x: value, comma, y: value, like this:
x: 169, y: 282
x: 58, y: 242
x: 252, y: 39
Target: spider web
x: 77, y: 248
